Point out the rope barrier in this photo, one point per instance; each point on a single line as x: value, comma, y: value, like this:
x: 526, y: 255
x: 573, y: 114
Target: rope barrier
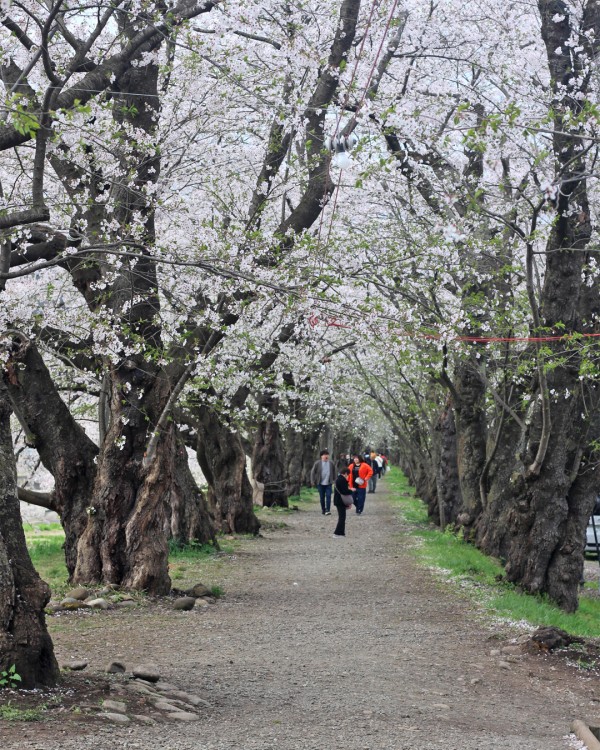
x: 315, y: 320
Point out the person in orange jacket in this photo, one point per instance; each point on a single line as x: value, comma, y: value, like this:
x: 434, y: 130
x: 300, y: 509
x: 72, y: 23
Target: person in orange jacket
x: 360, y: 473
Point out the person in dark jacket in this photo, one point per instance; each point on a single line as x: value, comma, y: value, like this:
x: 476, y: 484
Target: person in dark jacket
x: 322, y: 476
x: 341, y: 488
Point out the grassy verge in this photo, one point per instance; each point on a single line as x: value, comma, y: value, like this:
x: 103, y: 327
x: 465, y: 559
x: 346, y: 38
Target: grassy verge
x: 274, y: 517
x: 308, y: 496
x: 201, y: 563
x: 188, y: 564
x: 478, y: 574
x: 12, y: 713
x: 44, y: 542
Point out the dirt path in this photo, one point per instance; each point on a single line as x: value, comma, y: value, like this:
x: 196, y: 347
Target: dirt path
x: 324, y: 643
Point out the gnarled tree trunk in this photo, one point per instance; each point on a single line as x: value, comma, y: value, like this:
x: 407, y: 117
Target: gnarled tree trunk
x: 191, y: 518
x: 268, y: 458
x: 310, y: 451
x: 223, y: 462
x: 469, y: 417
x: 449, y: 497
x: 125, y: 540
x: 64, y: 448
x: 24, y: 639
x: 294, y: 449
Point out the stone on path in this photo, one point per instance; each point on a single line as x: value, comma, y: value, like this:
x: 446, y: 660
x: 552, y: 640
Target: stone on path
x: 98, y: 604
x: 70, y: 603
x: 116, y: 718
x: 184, y: 603
x: 115, y: 706
x: 80, y: 593
x: 163, y: 705
x: 163, y: 686
x: 74, y: 666
x: 549, y: 638
x: 147, y: 672
x: 140, y: 689
x: 194, y: 700
x: 181, y: 695
x: 198, y: 590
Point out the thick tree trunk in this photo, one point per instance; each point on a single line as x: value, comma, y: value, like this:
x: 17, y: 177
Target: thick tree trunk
x: 449, y: 496
x: 310, y: 453
x: 125, y: 540
x: 64, y: 448
x: 269, y: 464
x: 497, y: 523
x: 24, y: 639
x: 424, y: 480
x: 191, y: 518
x: 301, y: 451
x: 223, y: 462
x: 566, y: 564
x: 469, y: 416
x: 536, y: 523
x: 294, y: 448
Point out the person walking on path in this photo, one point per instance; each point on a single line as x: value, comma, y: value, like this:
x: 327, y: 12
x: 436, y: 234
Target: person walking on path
x: 373, y: 464
x: 360, y: 473
x: 340, y: 491
x: 322, y: 476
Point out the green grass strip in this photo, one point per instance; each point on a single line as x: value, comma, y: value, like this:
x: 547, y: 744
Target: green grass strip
x: 45, y: 545
x: 448, y: 552
x: 12, y: 713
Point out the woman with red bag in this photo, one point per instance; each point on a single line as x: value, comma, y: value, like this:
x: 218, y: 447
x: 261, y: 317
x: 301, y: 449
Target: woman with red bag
x: 360, y: 473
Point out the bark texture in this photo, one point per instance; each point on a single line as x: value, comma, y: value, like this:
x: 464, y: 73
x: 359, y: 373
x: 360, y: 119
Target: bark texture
x: 469, y: 415
x: 268, y: 457
x: 448, y: 490
x: 64, y: 448
x: 223, y: 462
x: 191, y: 517
x: 24, y: 639
x: 125, y: 540
x: 294, y: 449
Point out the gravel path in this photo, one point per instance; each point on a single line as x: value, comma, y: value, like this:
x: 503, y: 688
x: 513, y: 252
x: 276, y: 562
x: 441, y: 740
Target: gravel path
x: 327, y: 644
